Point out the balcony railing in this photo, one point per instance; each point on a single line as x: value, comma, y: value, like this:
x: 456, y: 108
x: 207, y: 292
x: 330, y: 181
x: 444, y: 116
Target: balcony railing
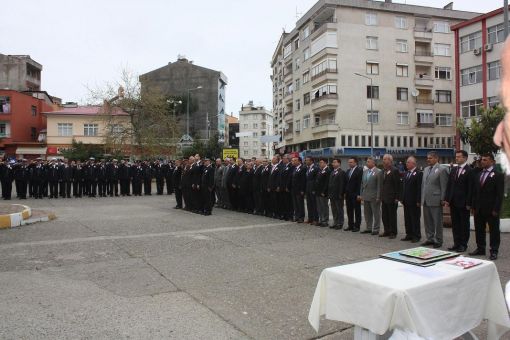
x: 325, y: 96
x: 323, y: 72
x: 425, y: 125
x: 321, y: 27
x: 424, y: 101
x: 420, y: 53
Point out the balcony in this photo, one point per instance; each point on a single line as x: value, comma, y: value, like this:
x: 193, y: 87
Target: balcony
x: 288, y: 97
x: 423, y: 56
x: 423, y: 80
x: 288, y: 136
x: 289, y: 116
x: 325, y: 130
x: 324, y: 103
x: 424, y: 101
x: 422, y: 33
x: 425, y: 125
x: 327, y: 74
x: 323, y: 27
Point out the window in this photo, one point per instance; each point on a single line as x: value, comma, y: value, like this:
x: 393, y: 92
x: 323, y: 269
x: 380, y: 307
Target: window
x: 255, y: 125
x: 441, y: 27
x: 363, y: 141
x: 306, y: 98
x: 317, y: 120
x: 356, y: 140
x: 399, y: 144
x: 349, y: 140
x: 496, y: 34
x: 90, y: 129
x: 372, y: 43
x: 246, y: 152
x: 297, y: 64
x: 306, y: 32
x: 296, y: 44
x: 443, y: 96
x: 470, y: 42
x: 401, y: 22
x: 402, y: 70
x: 306, y: 121
x: 372, y: 67
x: 370, y: 19
x: 306, y: 77
x: 493, y: 101
x: 402, y: 46
x: 386, y: 141
x: 287, y: 50
x: 443, y: 119
x: 324, y: 90
x: 4, y: 130
x: 245, y: 126
x: 33, y: 133
x: 402, y: 118
x: 298, y: 105
x: 343, y: 141
x: 5, y: 104
x: 116, y: 129
x: 34, y: 110
x: 373, y: 92
x: 425, y: 117
x: 494, y: 70
x: 324, y: 66
x: 246, y: 143
x: 255, y: 134
x: 306, y: 54
x: 442, y: 50
x: 411, y: 141
x: 470, y: 108
x: 471, y: 75
x: 443, y: 73
x: 65, y: 129
x: 297, y: 84
x: 402, y: 93
x: 376, y: 141
x: 375, y: 115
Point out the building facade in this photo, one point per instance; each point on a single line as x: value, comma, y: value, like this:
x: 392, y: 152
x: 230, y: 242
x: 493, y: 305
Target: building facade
x: 22, y: 123
x: 255, y: 122
x: 323, y: 103
x: 89, y: 125
x: 19, y: 73
x: 478, y: 46
x: 207, y: 92
x: 232, y: 130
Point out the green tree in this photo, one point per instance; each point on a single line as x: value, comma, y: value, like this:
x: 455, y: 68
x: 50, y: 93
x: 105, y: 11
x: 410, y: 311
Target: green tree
x: 478, y: 131
x: 82, y: 152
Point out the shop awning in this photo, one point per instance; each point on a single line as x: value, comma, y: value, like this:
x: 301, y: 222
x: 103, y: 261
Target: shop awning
x: 30, y: 151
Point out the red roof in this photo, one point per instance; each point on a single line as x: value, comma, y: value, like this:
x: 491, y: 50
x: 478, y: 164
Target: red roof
x: 89, y: 110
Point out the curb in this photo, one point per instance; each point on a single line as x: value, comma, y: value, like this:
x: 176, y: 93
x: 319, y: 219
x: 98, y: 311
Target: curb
x: 43, y: 217
x: 15, y: 219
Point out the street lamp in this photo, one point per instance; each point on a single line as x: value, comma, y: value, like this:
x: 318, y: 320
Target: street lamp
x: 187, y: 108
x: 175, y: 103
x: 371, y: 114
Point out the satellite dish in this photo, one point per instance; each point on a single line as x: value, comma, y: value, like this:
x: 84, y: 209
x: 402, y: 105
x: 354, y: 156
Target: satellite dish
x: 415, y: 93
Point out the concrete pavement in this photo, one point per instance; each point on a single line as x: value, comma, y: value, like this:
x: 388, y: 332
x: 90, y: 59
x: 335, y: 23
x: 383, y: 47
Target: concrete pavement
x: 133, y: 267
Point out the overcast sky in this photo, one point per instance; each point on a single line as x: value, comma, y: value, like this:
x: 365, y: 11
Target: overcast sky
x: 87, y: 43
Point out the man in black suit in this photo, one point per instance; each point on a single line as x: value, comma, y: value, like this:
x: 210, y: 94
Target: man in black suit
x: 352, y: 192
x: 168, y: 172
x: 458, y: 198
x: 159, y: 175
x: 53, y: 178
x: 176, y: 182
x: 236, y: 184
x: 411, y: 199
x: 298, y: 188
x: 336, y: 192
x: 273, y: 186
x: 285, y: 189
x: 267, y: 208
x: 207, y: 187
x: 320, y: 190
x: 186, y: 183
x: 231, y: 189
x: 196, y: 177
x: 124, y: 175
x: 488, y: 189
x: 257, y: 186
x: 311, y: 202
x: 389, y: 197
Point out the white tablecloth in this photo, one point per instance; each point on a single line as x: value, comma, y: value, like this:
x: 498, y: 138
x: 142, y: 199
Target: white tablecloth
x: 437, y: 302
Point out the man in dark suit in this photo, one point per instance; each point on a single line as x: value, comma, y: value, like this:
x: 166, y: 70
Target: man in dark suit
x: 231, y: 189
x: 336, y: 191
x: 411, y: 199
x: 196, y: 177
x: 53, y: 178
x: 352, y: 192
x: 168, y: 172
x: 389, y: 197
x: 159, y: 175
x: 311, y: 201
x: 267, y: 208
x: 257, y: 187
x: 176, y: 182
x: 298, y: 188
x: 320, y: 190
x: 285, y: 189
x: 207, y: 187
x: 458, y: 198
x: 273, y: 186
x: 488, y: 189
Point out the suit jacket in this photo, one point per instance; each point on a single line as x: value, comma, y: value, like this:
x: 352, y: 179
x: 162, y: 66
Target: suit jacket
x: 196, y: 173
x: 460, y: 187
x: 353, y: 183
x: 311, y: 174
x: 264, y: 178
x: 218, y: 175
x: 488, y: 197
x: 321, y: 182
x: 298, y: 180
x: 336, y: 184
x: 257, y: 179
x: 231, y: 175
x: 433, y: 189
x: 371, y: 183
x: 286, y: 177
x: 176, y: 177
x: 207, y: 179
x: 411, y: 188
x: 390, y: 188
x: 274, y: 176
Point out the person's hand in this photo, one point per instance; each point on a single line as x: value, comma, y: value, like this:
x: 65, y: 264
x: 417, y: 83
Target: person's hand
x: 446, y: 204
x: 359, y: 199
x: 495, y: 213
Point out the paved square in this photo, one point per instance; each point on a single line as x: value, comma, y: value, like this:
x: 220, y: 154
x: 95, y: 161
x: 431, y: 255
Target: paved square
x: 134, y: 267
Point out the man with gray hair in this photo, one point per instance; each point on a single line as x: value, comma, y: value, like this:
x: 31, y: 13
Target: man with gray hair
x: 371, y: 183
x: 390, y: 191
x: 411, y: 200
x: 433, y: 192
x: 218, y: 178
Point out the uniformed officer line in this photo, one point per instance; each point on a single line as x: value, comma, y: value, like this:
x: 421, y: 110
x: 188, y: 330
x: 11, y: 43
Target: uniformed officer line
x: 139, y: 236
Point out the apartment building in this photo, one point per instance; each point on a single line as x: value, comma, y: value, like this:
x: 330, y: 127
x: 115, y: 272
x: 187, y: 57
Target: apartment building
x: 478, y: 45
x: 255, y: 122
x: 20, y: 73
x: 351, y: 65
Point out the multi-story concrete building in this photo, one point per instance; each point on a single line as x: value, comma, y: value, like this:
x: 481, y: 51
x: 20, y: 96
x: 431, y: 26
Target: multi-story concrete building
x: 206, y: 88
x: 19, y: 73
x: 323, y: 69
x: 478, y: 45
x: 255, y: 122
x: 232, y: 130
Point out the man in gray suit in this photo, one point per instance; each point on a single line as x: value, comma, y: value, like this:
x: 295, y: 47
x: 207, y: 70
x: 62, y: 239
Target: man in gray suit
x: 370, y: 195
x: 433, y: 189
x: 224, y: 188
x: 218, y: 178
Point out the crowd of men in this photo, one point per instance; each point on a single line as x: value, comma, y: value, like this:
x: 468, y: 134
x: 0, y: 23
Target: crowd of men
x: 280, y: 188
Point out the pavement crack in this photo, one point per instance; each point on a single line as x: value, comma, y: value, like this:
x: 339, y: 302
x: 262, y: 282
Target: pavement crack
x: 322, y: 336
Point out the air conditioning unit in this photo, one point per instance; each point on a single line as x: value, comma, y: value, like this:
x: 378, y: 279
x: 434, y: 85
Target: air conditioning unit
x: 487, y: 47
x: 477, y: 51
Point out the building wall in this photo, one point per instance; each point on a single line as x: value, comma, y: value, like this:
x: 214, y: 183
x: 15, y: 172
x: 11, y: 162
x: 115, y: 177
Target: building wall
x: 258, y: 121
x: 15, y: 76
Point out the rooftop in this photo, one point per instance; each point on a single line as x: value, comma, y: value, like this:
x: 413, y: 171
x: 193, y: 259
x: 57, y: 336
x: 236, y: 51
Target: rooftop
x: 89, y: 110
